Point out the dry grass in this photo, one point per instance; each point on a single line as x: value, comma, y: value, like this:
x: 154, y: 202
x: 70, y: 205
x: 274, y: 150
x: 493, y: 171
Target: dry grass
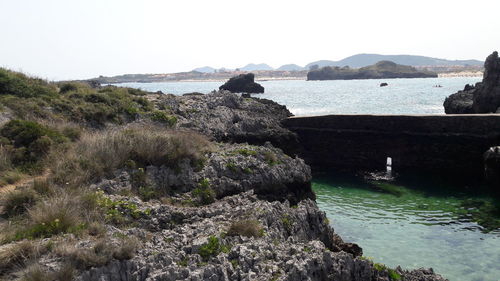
x: 17, y: 255
x: 248, y: 228
x: 5, y: 159
x: 17, y: 201
x: 36, y: 273
x: 99, y: 154
x: 100, y: 254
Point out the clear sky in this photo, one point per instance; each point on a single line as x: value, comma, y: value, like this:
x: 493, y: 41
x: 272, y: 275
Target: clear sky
x: 76, y: 39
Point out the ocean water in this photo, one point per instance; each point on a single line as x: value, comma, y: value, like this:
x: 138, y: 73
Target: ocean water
x: 302, y: 98
x: 419, y: 229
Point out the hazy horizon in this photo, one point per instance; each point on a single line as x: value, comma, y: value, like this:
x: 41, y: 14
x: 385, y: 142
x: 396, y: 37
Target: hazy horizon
x: 58, y: 39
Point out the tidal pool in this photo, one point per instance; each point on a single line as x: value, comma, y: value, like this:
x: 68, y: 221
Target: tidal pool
x: 420, y: 228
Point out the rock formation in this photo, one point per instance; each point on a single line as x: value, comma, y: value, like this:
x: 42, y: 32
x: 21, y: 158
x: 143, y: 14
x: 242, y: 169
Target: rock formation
x: 484, y: 97
x: 227, y: 117
x: 243, y: 83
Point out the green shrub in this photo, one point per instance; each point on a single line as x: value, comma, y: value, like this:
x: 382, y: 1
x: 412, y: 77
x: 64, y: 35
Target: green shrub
x: 246, y: 152
x: 248, y: 228
x: 204, y: 194
x: 271, y: 158
x: 161, y: 116
x: 30, y: 141
x: 20, y: 85
x: 212, y: 248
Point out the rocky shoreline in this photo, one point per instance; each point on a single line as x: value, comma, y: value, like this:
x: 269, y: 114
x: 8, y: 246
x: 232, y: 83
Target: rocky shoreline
x: 197, y: 187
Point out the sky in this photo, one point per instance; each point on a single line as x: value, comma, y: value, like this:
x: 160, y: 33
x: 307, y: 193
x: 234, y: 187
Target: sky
x: 80, y: 39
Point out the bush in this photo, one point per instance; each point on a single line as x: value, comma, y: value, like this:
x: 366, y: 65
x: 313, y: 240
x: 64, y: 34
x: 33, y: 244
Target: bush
x: 17, y: 201
x: 248, y: 228
x: 30, y: 141
x: 163, y: 117
x: 20, y: 85
x: 204, y: 194
x: 58, y: 214
x: 212, y: 248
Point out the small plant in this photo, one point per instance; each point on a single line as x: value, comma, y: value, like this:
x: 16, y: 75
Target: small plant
x: 393, y: 275
x: 248, y: 228
x: 204, y: 193
x: 248, y: 171
x: 231, y: 166
x: 246, y: 152
x: 161, y: 116
x: 271, y: 158
x: 287, y: 222
x: 212, y: 248
x: 235, y: 263
x: 183, y: 262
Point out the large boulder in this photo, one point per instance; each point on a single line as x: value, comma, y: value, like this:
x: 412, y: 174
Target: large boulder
x: 243, y: 83
x: 484, y: 97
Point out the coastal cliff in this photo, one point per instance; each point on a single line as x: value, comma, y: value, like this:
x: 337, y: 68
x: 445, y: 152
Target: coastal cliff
x: 108, y: 183
x: 380, y: 70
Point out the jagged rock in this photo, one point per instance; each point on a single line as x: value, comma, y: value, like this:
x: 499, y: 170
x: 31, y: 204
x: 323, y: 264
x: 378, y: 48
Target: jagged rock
x: 484, y: 97
x: 243, y: 83
x: 230, y: 169
x: 297, y: 244
x: 227, y: 117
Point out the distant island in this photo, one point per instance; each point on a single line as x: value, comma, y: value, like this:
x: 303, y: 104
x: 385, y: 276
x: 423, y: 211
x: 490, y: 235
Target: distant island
x: 380, y: 70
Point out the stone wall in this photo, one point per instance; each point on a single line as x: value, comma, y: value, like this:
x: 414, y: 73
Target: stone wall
x: 440, y: 143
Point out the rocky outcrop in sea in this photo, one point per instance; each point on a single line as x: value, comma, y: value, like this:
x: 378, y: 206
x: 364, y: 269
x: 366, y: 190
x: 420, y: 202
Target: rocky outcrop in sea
x: 484, y: 97
x: 243, y: 83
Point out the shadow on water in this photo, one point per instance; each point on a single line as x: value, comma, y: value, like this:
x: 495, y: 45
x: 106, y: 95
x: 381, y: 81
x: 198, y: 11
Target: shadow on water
x: 416, y: 221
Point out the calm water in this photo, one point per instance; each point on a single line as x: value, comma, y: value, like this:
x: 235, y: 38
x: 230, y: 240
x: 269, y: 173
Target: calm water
x: 402, y: 96
x: 418, y: 229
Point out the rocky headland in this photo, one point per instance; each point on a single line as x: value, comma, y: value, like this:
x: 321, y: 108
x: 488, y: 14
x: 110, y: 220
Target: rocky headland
x: 484, y: 97
x: 380, y: 70
x: 112, y: 183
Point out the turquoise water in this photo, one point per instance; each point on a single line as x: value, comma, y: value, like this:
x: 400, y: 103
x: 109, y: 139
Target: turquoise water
x: 418, y: 229
x: 402, y: 96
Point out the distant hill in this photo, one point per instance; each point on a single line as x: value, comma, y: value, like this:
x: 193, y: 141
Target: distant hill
x: 290, y: 67
x: 205, y: 69
x: 362, y: 60
x: 254, y: 67
x: 380, y: 70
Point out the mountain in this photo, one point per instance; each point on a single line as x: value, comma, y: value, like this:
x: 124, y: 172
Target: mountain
x: 380, y: 70
x: 253, y: 67
x: 362, y: 60
x: 290, y: 67
x: 205, y: 69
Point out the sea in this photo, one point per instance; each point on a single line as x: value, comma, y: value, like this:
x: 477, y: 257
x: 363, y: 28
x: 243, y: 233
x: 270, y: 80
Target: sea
x: 421, y: 227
